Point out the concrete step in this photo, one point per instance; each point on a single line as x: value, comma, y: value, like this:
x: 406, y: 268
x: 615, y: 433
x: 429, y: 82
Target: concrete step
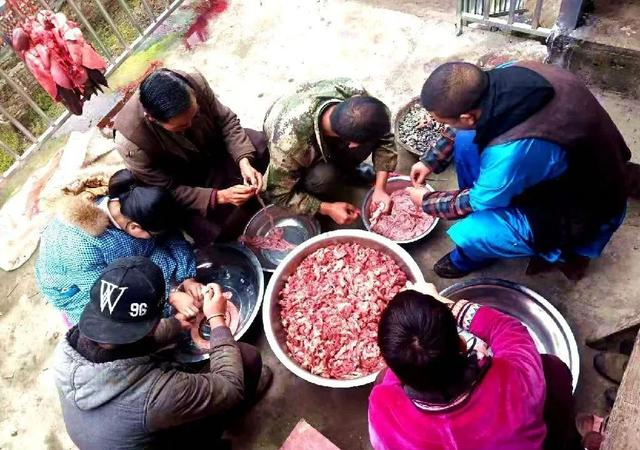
x: 605, y: 49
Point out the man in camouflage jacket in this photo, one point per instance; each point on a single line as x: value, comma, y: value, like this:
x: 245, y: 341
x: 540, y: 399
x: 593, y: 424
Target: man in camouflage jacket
x: 317, y: 137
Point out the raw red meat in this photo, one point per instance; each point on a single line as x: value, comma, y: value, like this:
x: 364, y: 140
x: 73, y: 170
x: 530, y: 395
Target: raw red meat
x: 56, y: 53
x: 404, y: 221
x: 274, y: 240
x: 331, y: 305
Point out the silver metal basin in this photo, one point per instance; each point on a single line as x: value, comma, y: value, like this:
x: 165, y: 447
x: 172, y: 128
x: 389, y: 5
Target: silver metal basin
x: 297, y: 228
x: 394, y: 184
x: 549, y: 330
x: 271, y: 309
x: 238, y: 271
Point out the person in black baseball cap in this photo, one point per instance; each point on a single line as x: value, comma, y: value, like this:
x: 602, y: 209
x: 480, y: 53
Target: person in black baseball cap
x: 126, y: 302
x: 116, y: 392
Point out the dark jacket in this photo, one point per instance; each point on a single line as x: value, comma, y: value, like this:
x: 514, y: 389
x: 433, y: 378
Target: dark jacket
x: 569, y: 210
x: 191, y: 164
x: 128, y: 403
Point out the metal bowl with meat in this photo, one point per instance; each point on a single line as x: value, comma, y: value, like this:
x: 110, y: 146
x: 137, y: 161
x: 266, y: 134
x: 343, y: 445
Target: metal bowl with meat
x: 323, y: 302
x: 238, y: 272
x: 274, y: 231
x: 405, y: 223
x: 549, y: 330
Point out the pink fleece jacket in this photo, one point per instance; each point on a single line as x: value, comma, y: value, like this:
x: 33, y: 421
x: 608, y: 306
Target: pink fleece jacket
x: 504, y: 412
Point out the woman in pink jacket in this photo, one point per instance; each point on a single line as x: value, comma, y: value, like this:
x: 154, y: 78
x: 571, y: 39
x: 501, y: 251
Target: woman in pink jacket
x: 437, y: 395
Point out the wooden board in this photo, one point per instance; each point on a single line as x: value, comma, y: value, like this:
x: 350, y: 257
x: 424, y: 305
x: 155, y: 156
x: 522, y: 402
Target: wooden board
x: 304, y: 436
x: 623, y: 430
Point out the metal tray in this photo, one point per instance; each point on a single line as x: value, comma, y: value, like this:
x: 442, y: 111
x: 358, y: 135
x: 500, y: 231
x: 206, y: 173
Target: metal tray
x: 297, y: 228
x: 549, y: 330
x: 271, y: 309
x: 238, y: 271
x: 394, y: 184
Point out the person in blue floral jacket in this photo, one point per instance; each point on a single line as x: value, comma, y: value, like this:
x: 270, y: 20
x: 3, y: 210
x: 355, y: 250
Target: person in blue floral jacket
x: 86, y: 235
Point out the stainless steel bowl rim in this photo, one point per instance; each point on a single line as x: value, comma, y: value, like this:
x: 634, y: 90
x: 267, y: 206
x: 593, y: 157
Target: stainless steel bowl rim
x: 260, y: 291
x: 555, y: 314
x: 252, y: 317
x: 270, y: 295
x: 255, y: 217
x: 365, y: 214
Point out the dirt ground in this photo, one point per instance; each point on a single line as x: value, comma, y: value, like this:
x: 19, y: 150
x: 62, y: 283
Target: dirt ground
x: 256, y: 52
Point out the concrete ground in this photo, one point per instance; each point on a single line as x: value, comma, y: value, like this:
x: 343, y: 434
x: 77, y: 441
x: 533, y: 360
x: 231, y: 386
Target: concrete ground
x: 256, y: 52
x: 615, y: 23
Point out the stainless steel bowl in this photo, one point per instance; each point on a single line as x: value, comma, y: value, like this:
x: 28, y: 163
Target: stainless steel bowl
x: 549, y: 330
x: 394, y: 184
x: 238, y: 271
x: 271, y: 309
x: 297, y: 228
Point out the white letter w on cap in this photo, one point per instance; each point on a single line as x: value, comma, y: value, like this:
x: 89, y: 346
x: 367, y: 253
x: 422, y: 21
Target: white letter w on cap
x: 106, y: 294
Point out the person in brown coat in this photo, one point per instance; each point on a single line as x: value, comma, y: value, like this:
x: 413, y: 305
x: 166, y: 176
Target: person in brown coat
x: 175, y: 133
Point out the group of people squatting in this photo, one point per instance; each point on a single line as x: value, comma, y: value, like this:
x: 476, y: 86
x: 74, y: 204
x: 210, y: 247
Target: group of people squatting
x: 542, y: 173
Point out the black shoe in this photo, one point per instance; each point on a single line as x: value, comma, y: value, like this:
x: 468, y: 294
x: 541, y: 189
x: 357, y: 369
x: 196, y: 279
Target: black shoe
x: 574, y: 267
x: 611, y: 365
x: 626, y: 346
x: 539, y: 265
x: 364, y: 174
x: 610, y: 395
x: 444, y: 268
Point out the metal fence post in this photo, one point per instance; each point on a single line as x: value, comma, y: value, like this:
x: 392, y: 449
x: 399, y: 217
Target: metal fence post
x: 537, y: 11
x: 24, y: 95
x: 112, y: 24
x: 132, y: 19
x: 17, y: 124
x: 512, y: 12
x: 148, y: 8
x: 85, y: 22
x: 9, y: 150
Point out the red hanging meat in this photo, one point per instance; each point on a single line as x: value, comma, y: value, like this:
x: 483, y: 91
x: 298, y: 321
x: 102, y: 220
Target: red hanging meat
x: 56, y: 53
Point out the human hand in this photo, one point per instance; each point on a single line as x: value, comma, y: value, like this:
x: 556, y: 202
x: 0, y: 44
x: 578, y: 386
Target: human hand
x: 235, y: 195
x: 417, y: 194
x: 250, y: 175
x: 379, y: 197
x: 419, y: 173
x: 194, y: 289
x: 184, y: 303
x: 342, y: 213
x: 215, y: 304
x: 185, y: 324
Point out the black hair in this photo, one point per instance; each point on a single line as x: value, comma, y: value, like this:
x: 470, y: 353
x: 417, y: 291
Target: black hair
x: 454, y: 88
x: 419, y: 341
x: 360, y: 119
x: 152, y: 207
x: 165, y: 94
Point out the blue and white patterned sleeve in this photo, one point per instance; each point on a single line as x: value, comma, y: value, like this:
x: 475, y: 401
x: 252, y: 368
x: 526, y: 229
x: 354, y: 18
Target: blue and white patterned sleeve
x: 185, y: 258
x: 176, y: 259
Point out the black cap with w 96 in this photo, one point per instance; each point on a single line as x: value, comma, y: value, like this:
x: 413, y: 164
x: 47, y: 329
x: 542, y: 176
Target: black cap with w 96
x: 126, y: 302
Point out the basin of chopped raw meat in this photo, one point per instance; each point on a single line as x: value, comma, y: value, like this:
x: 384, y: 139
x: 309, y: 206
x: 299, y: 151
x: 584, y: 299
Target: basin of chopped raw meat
x: 404, y: 221
x: 331, y: 305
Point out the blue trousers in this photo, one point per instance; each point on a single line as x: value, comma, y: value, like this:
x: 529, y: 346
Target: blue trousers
x: 486, y: 235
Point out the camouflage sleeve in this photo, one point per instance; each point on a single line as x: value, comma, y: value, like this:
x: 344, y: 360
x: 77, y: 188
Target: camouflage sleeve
x: 385, y: 157
x: 282, y: 182
x: 349, y: 88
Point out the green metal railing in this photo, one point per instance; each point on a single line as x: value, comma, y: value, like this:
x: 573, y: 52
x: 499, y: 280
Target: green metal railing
x: 143, y: 29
